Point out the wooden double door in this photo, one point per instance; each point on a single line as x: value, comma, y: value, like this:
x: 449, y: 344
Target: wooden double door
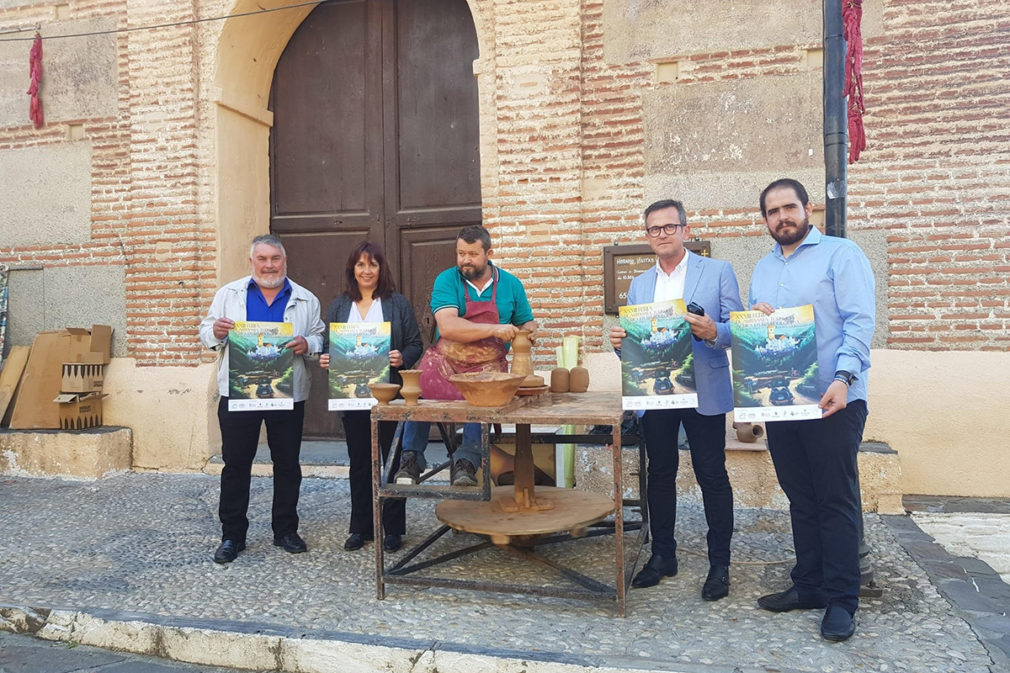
x: 375, y: 137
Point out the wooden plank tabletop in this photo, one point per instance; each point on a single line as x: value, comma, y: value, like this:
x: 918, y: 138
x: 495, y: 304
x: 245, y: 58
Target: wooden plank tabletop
x: 595, y: 408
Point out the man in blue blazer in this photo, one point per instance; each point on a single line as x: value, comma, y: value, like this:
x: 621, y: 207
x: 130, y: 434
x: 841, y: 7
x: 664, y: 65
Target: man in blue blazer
x: 711, y: 284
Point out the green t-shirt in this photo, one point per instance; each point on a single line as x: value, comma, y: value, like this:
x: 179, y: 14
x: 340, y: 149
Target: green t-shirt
x: 513, y: 306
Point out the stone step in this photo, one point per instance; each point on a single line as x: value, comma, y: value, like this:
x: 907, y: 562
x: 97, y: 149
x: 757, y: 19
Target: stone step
x: 750, y: 471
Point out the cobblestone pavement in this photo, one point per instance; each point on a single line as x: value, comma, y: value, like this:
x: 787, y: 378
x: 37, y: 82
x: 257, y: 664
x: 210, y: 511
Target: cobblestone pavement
x: 139, y: 546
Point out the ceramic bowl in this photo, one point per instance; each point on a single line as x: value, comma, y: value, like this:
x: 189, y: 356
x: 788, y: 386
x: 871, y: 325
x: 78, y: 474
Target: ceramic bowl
x: 384, y: 392
x: 487, y: 389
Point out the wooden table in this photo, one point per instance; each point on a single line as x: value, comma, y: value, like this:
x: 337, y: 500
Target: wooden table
x: 514, y: 518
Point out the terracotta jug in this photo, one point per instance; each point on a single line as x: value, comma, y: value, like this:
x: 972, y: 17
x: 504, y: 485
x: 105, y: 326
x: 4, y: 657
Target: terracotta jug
x: 748, y: 432
x: 411, y: 388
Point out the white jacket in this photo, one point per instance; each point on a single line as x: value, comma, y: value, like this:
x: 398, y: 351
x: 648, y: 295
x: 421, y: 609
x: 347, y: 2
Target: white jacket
x: 302, y: 311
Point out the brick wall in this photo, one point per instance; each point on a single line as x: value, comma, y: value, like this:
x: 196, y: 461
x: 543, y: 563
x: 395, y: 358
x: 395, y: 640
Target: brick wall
x: 569, y: 169
x: 937, y: 177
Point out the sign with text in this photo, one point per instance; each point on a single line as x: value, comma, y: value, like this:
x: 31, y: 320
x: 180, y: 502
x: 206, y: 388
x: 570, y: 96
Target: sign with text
x: 621, y: 263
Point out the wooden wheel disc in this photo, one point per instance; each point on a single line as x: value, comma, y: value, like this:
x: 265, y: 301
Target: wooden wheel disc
x: 571, y: 510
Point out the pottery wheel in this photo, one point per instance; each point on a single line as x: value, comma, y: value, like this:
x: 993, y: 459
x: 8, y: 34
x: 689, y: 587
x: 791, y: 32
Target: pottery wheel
x: 559, y: 509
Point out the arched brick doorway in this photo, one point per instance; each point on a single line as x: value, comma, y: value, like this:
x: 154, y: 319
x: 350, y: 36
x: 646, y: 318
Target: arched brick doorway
x: 373, y: 132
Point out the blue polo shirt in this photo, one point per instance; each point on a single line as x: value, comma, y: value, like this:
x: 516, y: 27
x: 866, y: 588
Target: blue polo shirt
x: 513, y: 306
x: 257, y: 309
x: 835, y: 277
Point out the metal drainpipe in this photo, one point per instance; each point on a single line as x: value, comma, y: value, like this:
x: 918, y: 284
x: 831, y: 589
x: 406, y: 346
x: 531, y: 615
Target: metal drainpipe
x: 836, y: 122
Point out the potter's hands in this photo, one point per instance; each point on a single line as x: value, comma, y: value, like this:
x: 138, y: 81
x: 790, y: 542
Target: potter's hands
x: 530, y: 328
x: 221, y: 327
x: 764, y: 307
x: 324, y: 361
x: 298, y: 345
x: 395, y: 359
x: 504, y: 332
x: 702, y: 326
x: 616, y: 334
x: 834, y: 398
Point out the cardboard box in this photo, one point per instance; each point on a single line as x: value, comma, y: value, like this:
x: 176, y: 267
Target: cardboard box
x: 43, y: 375
x: 79, y: 411
x: 79, y: 377
x: 91, y: 346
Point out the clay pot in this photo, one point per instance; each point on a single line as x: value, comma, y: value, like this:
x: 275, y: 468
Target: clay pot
x: 559, y: 380
x: 411, y: 388
x: 384, y: 392
x: 578, y: 381
x: 487, y: 389
x: 748, y: 432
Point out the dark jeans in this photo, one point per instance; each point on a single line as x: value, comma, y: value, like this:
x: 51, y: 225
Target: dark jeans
x: 358, y: 429
x: 240, y: 431
x: 816, y: 466
x: 707, y: 437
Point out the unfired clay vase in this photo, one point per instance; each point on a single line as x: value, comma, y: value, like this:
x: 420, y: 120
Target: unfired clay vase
x: 559, y: 380
x: 748, y: 432
x: 411, y: 388
x: 578, y: 380
x: 522, y: 359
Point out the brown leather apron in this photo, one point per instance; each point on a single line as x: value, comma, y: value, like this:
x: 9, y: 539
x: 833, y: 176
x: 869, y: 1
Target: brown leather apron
x: 448, y: 357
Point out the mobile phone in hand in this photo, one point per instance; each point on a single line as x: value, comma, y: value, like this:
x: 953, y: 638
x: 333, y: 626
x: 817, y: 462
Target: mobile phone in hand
x: 697, y: 310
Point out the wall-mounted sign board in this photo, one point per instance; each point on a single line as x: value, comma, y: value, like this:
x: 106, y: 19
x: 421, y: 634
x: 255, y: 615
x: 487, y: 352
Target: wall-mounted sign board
x: 621, y: 263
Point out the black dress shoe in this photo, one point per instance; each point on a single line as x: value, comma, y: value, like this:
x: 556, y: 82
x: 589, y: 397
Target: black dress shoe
x: 656, y: 569
x: 838, y: 624
x: 787, y: 600
x: 228, y: 551
x: 716, y: 584
x: 392, y: 542
x: 292, y: 543
x: 356, y: 541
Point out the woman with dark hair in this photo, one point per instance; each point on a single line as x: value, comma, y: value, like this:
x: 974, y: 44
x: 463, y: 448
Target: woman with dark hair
x: 370, y: 298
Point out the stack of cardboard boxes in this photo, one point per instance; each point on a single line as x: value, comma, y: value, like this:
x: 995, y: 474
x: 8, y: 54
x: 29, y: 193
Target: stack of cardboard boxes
x: 61, y: 387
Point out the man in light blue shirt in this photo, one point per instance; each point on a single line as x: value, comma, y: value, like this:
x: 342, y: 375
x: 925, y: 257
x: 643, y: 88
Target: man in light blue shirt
x: 815, y: 460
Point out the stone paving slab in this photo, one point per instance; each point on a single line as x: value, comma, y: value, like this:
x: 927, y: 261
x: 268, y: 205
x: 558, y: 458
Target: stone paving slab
x: 136, y: 549
x: 982, y: 535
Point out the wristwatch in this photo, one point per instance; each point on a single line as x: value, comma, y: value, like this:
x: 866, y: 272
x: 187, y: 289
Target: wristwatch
x: 845, y: 377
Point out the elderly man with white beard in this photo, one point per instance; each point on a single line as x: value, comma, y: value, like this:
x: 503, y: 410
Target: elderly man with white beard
x: 266, y: 295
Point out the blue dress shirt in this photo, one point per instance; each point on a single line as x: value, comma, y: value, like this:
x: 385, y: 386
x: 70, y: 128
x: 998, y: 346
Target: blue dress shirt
x: 835, y: 277
x: 257, y: 309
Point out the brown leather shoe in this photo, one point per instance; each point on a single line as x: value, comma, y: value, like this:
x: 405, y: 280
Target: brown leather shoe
x: 463, y: 473
x: 410, y: 471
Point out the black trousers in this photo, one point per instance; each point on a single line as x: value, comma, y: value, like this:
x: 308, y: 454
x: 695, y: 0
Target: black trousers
x: 707, y: 437
x: 816, y: 466
x: 358, y: 429
x: 240, y: 431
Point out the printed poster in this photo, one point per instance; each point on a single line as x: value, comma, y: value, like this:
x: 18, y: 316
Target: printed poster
x: 359, y: 355
x: 260, y: 369
x: 657, y: 359
x: 775, y: 365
